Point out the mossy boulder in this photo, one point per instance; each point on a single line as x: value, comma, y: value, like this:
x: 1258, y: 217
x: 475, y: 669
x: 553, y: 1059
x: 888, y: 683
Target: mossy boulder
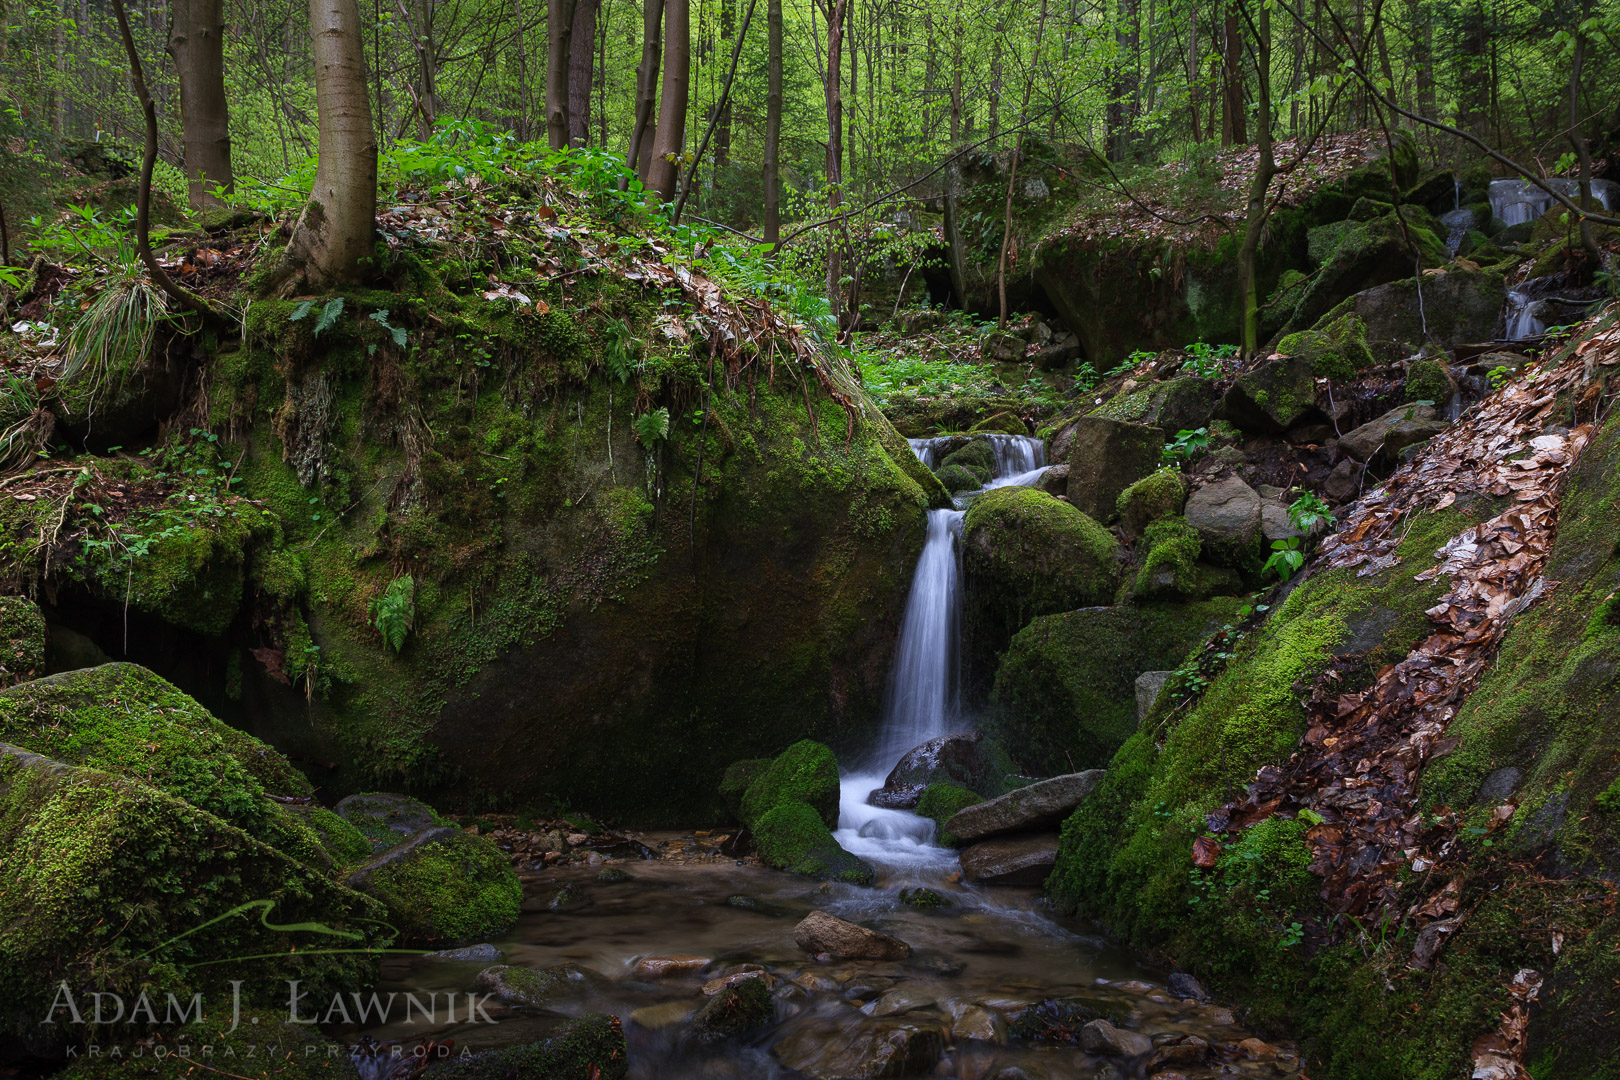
x: 1178, y: 404
x: 1273, y: 396
x: 807, y: 773
x: 941, y: 802
x: 386, y: 818
x: 346, y: 845
x: 443, y: 886
x: 791, y: 836
x: 1429, y: 380
x: 740, y: 1007
x: 1356, y: 255
x: 1065, y: 693
x: 975, y: 455
x: 738, y: 777
x: 1002, y: 423
x: 1227, y: 516
x: 1337, y: 349
x: 1106, y: 456
x: 1024, y: 554
x: 1153, y: 497
x: 592, y: 1048
x: 1169, y: 566
x: 957, y: 479
x: 122, y: 718
x: 116, y: 886
x: 1456, y: 306
x: 22, y: 640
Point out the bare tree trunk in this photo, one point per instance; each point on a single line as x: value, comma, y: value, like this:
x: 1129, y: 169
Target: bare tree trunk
x: 1234, y: 124
x: 722, y: 131
x: 1577, y: 138
x: 1423, y: 55
x: 559, y: 52
x: 956, y: 257
x: 773, y: 122
x: 197, y: 43
x: 523, y: 74
x: 1474, y: 92
x: 581, y: 66
x: 332, y: 242
x: 642, y: 131
x: 1012, y: 170
x: 995, y: 75
x: 670, y: 140
x: 835, y: 146
x: 1265, y: 168
x: 1122, y: 115
x: 1192, y: 71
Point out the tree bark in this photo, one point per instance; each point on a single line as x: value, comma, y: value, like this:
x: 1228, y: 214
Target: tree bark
x: 773, y: 122
x: 1121, y: 113
x: 1265, y: 168
x: 1423, y: 55
x: 559, y: 53
x: 332, y: 242
x: 643, y: 128
x: 581, y: 68
x: 1192, y: 71
x: 197, y: 43
x: 1577, y: 138
x: 835, y: 147
x: 722, y: 130
x: 1234, y: 123
x: 670, y: 140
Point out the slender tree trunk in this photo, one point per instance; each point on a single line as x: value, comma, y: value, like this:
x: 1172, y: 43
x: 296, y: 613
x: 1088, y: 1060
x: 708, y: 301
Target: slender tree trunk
x: 1234, y: 122
x: 670, y: 141
x: 642, y: 130
x: 995, y: 75
x: 1473, y: 60
x: 559, y: 53
x: 955, y: 256
x: 332, y: 242
x: 1192, y: 71
x: 773, y: 122
x: 1422, y: 24
x: 523, y: 74
x: 722, y: 131
x: 197, y: 43
x: 1012, y: 171
x: 1577, y: 138
x: 1122, y: 114
x: 581, y: 66
x: 1265, y: 168
x: 835, y: 146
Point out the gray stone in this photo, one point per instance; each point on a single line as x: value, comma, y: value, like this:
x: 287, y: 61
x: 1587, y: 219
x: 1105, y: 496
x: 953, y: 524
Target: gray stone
x: 1148, y: 685
x: 820, y: 932
x: 1274, y: 523
x: 1499, y: 785
x: 1106, y: 457
x: 1273, y: 396
x: 1381, y: 440
x: 1055, y: 480
x: 484, y: 954
x: 1011, y: 860
x: 1500, y: 358
x: 515, y: 985
x: 958, y: 759
x: 1043, y: 803
x: 1186, y: 987
x: 1227, y: 517
x: 880, y: 1048
x: 896, y: 1001
x: 1003, y: 347
x: 978, y: 1024
x: 1101, y: 1037
x: 1456, y: 307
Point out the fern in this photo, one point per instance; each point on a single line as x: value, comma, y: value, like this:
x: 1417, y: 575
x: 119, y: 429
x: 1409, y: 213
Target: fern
x: 325, y: 320
x: 622, y: 351
x: 394, y: 610
x: 652, y: 426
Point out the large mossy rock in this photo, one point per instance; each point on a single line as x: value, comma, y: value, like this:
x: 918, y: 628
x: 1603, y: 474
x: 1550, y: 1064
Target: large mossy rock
x: 1065, y: 693
x: 123, y: 719
x: 1356, y: 255
x: 805, y: 773
x: 791, y: 836
x: 113, y: 885
x: 22, y: 640
x: 1184, y: 403
x: 1273, y: 396
x: 1024, y: 554
x: 1226, y: 515
x: 1149, y: 499
x: 443, y: 886
x: 1457, y: 306
x: 1106, y: 456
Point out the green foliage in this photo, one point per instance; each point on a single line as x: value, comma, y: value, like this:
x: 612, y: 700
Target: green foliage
x: 1286, y: 558
x: 1186, y: 446
x: 1309, y: 512
x: 393, y: 612
x: 1205, y: 361
x: 329, y: 314
x: 651, y: 426
x: 941, y: 802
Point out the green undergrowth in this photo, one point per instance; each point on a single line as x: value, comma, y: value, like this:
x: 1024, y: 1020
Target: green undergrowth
x: 448, y: 891
x: 942, y: 801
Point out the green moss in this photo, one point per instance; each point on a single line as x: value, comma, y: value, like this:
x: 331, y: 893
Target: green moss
x: 1005, y: 423
x: 1039, y: 553
x: 1170, y: 566
x: 1149, y: 499
x: 941, y: 802
x: 978, y: 454
x: 739, y: 776
x: 591, y: 1049
x: 793, y: 837
x: 345, y: 844
x: 805, y: 773
x: 451, y: 890
x: 1609, y: 799
x: 22, y: 640
x: 739, y: 1008
x: 958, y: 479
x: 1337, y: 350
x: 1428, y: 380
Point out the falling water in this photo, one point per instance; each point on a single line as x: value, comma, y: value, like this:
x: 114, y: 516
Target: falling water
x: 922, y: 697
x: 1519, y: 201
x: 1523, y: 320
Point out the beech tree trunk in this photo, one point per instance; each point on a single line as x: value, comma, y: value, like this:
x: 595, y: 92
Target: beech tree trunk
x: 1265, y: 168
x: 643, y: 129
x: 1234, y: 124
x: 197, y: 43
x: 332, y: 242
x: 772, y: 167
x: 559, y: 53
x: 670, y: 140
x: 835, y: 147
x: 581, y: 68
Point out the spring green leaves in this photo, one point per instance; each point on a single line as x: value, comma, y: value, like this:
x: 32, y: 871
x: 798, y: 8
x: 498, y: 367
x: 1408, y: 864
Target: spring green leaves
x: 1307, y: 514
x: 651, y: 426
x: 330, y: 312
x: 394, y: 611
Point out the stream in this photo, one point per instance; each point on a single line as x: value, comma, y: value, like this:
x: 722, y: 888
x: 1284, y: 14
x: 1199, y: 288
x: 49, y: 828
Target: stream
x: 1004, y: 981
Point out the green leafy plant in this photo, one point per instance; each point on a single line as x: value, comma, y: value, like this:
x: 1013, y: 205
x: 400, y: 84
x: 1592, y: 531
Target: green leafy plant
x: 651, y: 426
x: 1186, y: 446
x: 328, y: 317
x: 381, y: 319
x: 1499, y: 377
x: 394, y: 611
x: 1308, y: 513
x: 1286, y: 558
x: 623, y: 351
x: 1204, y: 360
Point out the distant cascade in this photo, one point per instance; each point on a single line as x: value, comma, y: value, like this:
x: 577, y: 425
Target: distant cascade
x: 1523, y: 321
x: 1519, y: 201
x: 1457, y: 223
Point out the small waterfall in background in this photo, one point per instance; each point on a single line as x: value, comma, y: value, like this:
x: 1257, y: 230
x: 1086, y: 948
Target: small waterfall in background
x: 1519, y: 201
x: 1457, y: 220
x: 922, y: 697
x: 1523, y: 321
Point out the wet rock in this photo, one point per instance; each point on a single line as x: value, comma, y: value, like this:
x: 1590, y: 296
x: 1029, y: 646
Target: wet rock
x: 879, y: 1049
x: 659, y: 967
x: 815, y: 982
x: 1488, y: 362
x: 515, y: 985
x: 1045, y: 802
x: 898, y: 1000
x: 922, y: 898
x: 664, y: 1014
x: 1256, y: 1050
x: 823, y: 933
x: 1272, y: 397
x: 806, y: 772
x: 977, y: 1024
x: 1107, y: 456
x: 1343, y: 482
x: 792, y: 837
x: 1457, y: 306
x: 385, y: 819
x: 749, y: 972
x: 1022, y: 860
x: 1274, y: 522
x: 737, y: 1008
x: 1381, y: 440
x: 1226, y: 515
x: 939, y: 963
x: 1499, y: 785
x: 1058, y: 1021
x: 1101, y: 1037
x: 485, y: 954
x: 1189, y: 1052
x: 1055, y: 480
x: 958, y: 759
x: 1148, y: 685
x: 593, y: 1046
x: 1184, y: 986
x: 570, y: 897
x: 443, y: 885
x: 613, y: 876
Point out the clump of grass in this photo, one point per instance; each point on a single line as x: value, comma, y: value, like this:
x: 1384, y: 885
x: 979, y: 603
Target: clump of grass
x: 112, y: 336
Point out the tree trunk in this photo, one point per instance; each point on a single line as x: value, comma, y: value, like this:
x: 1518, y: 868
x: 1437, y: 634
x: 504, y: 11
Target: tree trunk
x: 1473, y: 60
x: 1192, y: 71
x: 670, y: 140
x: 642, y: 129
x: 1577, y: 138
x: 773, y: 122
x: 1122, y: 114
x: 197, y: 43
x: 835, y: 146
x: 1234, y: 123
x: 722, y: 130
x: 1265, y: 168
x: 1423, y: 56
x: 995, y: 76
x: 581, y: 67
x: 559, y: 54
x: 332, y: 242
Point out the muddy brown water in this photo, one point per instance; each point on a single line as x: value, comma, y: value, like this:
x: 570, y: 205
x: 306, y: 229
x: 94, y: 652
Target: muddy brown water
x: 977, y: 965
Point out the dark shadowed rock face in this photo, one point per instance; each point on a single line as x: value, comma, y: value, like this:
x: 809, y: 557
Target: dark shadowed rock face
x: 1016, y: 860
x: 955, y: 758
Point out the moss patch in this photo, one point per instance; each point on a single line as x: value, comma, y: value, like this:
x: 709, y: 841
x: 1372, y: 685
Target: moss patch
x: 805, y: 773
x: 450, y: 889
x: 1149, y: 499
x: 941, y: 802
x: 791, y: 836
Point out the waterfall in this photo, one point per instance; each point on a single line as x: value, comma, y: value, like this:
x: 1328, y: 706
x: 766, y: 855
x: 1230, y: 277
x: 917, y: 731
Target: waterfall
x: 1519, y: 201
x: 1523, y: 322
x: 922, y: 695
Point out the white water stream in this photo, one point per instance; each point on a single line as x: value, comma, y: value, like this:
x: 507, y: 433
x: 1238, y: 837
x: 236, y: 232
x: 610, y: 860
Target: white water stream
x: 922, y: 701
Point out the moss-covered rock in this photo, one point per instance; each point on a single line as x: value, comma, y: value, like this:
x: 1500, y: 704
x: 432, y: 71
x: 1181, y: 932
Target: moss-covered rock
x: 346, y: 845
x: 1168, y: 566
x: 1456, y: 306
x: 744, y: 1005
x: 114, y: 885
x: 1105, y: 457
x: 957, y: 479
x: 385, y: 818
x: 443, y: 886
x: 22, y: 640
x: 592, y: 1048
x: 1428, y: 380
x: 738, y: 777
x: 941, y: 802
x: 1336, y: 350
x: 793, y: 837
x: 1356, y: 255
x: 1065, y: 693
x: 1003, y: 423
x: 806, y: 772
x: 1026, y: 553
x: 975, y: 455
x: 1153, y: 497
x: 123, y: 719
x: 1273, y: 396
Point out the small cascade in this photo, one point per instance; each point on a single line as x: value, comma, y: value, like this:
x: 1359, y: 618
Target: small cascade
x: 1519, y: 201
x: 1523, y: 321
x: 1457, y: 223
